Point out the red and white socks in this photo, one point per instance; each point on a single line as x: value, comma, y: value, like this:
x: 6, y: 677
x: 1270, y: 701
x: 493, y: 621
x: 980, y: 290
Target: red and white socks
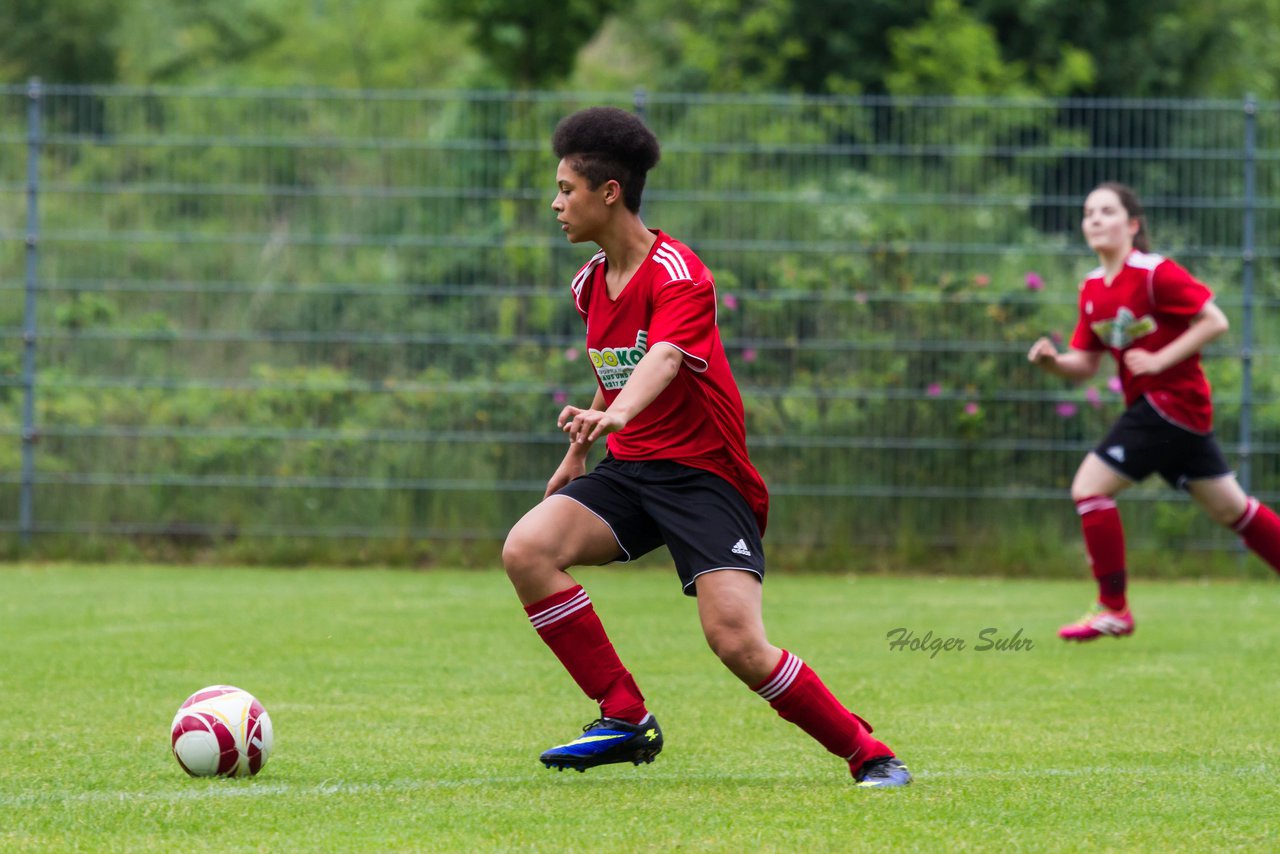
x: 1259, y: 527
x: 567, y: 622
x: 1104, y: 541
x: 797, y: 694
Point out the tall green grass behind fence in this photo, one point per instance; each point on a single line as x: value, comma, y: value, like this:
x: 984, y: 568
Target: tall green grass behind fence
x: 325, y: 325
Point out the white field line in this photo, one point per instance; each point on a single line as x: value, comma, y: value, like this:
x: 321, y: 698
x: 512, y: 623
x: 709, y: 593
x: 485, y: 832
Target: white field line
x: 254, y: 789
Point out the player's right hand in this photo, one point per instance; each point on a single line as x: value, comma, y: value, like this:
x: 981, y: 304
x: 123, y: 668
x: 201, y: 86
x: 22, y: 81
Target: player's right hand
x: 1042, y: 352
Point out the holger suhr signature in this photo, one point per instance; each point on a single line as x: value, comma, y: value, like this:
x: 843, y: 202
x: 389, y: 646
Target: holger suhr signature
x: 903, y: 639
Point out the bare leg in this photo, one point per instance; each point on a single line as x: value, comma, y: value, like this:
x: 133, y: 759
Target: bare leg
x: 1256, y: 523
x: 1221, y: 497
x: 550, y: 538
x: 729, y: 605
x: 1094, y: 477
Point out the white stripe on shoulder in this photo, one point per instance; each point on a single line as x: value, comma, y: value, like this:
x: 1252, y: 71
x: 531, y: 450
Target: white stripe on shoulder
x: 580, y: 280
x: 1144, y: 260
x: 671, y: 260
x: 672, y: 275
x: 586, y: 271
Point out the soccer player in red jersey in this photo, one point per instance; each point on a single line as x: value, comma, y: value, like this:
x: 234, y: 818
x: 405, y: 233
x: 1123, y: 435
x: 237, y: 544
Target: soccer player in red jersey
x: 676, y: 472
x: 1154, y: 318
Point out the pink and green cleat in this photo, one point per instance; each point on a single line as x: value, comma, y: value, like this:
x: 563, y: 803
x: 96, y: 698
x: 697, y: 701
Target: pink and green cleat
x: 1098, y: 622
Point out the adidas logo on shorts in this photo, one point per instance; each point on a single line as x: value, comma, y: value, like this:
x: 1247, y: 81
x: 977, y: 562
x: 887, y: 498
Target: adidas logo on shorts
x: 740, y: 548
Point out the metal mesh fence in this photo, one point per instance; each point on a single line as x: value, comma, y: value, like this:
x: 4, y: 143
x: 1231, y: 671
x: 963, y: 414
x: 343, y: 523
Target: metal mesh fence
x: 310, y: 324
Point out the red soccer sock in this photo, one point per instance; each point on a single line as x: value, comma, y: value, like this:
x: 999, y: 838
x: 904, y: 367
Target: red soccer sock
x: 797, y: 694
x: 1259, y: 527
x: 567, y: 622
x: 1104, y: 541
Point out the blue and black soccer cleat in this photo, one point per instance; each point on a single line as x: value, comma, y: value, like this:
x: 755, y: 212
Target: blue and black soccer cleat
x: 605, y: 741
x: 883, y: 772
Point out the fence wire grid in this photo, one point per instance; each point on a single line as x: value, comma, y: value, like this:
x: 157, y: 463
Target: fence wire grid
x: 301, y: 323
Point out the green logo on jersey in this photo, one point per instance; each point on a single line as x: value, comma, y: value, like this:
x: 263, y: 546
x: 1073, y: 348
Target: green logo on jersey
x: 614, y: 364
x: 1123, y: 329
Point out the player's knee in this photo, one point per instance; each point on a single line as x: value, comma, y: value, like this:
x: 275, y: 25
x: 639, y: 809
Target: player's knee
x: 1226, y: 513
x: 521, y: 553
x: 736, y: 648
x: 1081, y: 491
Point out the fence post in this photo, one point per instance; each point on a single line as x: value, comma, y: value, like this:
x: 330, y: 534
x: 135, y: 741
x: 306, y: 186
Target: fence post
x: 1247, y: 257
x: 639, y: 101
x: 26, y: 506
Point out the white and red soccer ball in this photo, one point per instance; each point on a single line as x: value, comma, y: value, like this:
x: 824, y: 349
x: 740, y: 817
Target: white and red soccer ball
x: 221, y: 731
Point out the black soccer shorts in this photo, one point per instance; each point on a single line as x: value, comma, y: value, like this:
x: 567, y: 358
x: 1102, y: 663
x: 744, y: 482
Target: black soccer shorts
x: 1143, y: 441
x: 701, y: 518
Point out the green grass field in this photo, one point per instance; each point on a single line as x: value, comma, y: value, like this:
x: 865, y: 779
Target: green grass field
x: 410, y: 707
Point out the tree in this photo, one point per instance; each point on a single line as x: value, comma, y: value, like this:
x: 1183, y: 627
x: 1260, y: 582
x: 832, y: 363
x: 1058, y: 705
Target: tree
x: 952, y: 52
x: 1140, y: 48
x: 757, y: 45
x: 530, y: 43
x: 203, y: 38
x: 1117, y: 48
x: 60, y: 41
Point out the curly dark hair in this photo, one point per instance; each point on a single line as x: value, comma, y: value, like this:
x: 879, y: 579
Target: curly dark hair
x: 606, y: 143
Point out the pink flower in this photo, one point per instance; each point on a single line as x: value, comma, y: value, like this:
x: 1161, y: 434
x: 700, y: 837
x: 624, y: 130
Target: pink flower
x: 1066, y: 409
x: 860, y: 298
x: 981, y: 279
x: 971, y: 408
x: 730, y: 301
x: 1114, y: 385
x: 749, y: 354
x: 560, y: 396
x: 1095, y: 399
x: 1056, y: 338
x: 570, y: 354
x: 934, y: 389
x: 1034, y: 282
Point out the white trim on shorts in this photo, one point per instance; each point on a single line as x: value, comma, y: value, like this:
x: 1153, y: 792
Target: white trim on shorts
x: 1184, y: 481
x: 756, y: 573
x: 626, y: 554
x: 1126, y: 478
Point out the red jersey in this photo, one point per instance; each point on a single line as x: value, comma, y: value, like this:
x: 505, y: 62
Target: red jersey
x: 1149, y: 303
x: 698, y: 419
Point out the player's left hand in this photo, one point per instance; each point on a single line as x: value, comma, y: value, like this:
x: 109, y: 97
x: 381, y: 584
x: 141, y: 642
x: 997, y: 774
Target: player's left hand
x: 1140, y: 362
x: 587, y: 425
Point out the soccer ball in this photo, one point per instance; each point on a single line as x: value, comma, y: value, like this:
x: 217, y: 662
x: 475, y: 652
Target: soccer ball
x: 221, y: 731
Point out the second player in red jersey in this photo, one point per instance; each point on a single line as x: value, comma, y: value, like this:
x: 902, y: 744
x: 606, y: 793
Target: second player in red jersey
x: 1154, y: 318
x: 1149, y: 303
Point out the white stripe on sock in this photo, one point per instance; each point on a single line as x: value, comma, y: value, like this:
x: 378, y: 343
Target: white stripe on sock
x: 558, y: 612
x: 1250, y: 510
x: 778, y: 685
x: 1091, y: 504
